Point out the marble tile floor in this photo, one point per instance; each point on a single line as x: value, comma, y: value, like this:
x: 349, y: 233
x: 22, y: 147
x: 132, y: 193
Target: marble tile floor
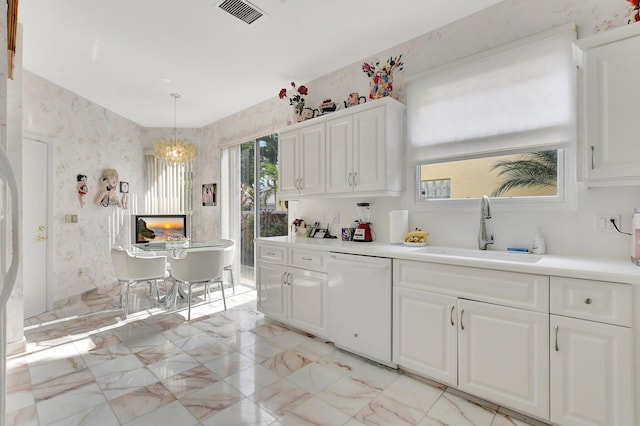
x: 86, y: 365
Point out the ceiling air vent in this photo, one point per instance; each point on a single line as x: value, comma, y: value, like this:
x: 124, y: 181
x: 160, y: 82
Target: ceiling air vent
x: 243, y: 10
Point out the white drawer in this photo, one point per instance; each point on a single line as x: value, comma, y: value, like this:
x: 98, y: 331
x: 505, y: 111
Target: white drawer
x: 312, y: 260
x: 271, y: 253
x: 526, y: 291
x: 592, y: 300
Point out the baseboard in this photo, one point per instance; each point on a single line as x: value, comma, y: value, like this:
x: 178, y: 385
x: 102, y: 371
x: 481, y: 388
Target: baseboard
x: 17, y: 347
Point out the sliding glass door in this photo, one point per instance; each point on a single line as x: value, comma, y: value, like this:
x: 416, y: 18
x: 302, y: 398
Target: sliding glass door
x: 259, y: 198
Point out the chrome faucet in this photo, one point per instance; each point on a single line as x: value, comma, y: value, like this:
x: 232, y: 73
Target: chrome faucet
x: 485, y: 213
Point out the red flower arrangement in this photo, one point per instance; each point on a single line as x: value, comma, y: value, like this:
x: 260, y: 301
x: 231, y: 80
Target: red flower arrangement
x: 296, y: 99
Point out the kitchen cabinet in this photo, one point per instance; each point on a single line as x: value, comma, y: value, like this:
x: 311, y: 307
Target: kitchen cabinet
x: 503, y: 355
x: 301, y: 156
x: 608, y: 61
x: 355, y: 151
x: 357, y: 155
x: 482, y: 331
x: 591, y: 353
x: 292, y: 286
x: 425, y: 334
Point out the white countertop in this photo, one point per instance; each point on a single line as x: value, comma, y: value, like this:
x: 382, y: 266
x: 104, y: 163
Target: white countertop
x: 615, y: 270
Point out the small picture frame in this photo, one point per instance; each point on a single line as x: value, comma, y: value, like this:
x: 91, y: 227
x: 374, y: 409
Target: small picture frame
x: 320, y: 233
x: 209, y: 194
x: 124, y: 187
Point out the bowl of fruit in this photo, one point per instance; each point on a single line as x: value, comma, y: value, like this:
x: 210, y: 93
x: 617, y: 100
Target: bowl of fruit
x: 416, y: 238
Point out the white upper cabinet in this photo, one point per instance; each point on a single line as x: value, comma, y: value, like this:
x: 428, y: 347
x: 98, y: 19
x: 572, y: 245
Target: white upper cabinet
x: 610, y: 62
x: 355, y: 151
x: 301, y: 155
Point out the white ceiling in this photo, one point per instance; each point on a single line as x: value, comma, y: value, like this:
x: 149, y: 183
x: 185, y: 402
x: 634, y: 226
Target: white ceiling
x: 129, y: 55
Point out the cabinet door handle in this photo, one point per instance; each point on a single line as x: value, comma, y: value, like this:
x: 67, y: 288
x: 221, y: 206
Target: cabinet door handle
x: 593, y: 149
x: 556, y: 328
x: 284, y: 280
x: 289, y: 278
x: 451, y: 315
x: 355, y: 179
x: 461, y: 323
x: 349, y: 179
x: 588, y: 301
x: 301, y: 184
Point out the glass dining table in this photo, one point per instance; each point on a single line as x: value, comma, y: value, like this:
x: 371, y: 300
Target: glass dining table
x: 177, y: 249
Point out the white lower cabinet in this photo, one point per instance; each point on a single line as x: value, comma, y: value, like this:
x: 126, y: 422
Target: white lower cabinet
x: 591, y: 380
x: 503, y: 356
x: 499, y: 353
x: 293, y: 295
x: 425, y: 334
x: 591, y: 353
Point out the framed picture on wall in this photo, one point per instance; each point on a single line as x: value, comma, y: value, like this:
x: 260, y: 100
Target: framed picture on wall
x: 209, y: 194
x: 124, y: 187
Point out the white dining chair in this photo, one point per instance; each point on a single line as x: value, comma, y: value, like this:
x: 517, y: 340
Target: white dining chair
x: 199, y: 267
x: 130, y: 270
x: 229, y: 254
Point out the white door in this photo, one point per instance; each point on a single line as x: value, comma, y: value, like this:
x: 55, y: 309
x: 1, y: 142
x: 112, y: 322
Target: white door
x: 504, y: 356
x: 425, y: 334
x: 591, y: 382
x: 311, y: 158
x: 35, y: 229
x: 270, y: 282
x: 308, y: 301
x: 340, y: 155
x: 370, y: 159
x: 288, y: 163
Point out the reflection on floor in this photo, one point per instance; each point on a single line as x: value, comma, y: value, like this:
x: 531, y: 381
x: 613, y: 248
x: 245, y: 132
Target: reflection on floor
x: 86, y: 365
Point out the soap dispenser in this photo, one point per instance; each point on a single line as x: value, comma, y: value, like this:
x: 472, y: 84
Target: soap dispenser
x: 538, y: 246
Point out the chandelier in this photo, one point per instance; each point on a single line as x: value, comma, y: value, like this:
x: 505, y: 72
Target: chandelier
x: 175, y: 150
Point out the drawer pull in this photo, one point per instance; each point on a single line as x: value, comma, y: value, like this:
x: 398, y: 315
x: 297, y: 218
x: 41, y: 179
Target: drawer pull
x: 307, y: 258
x: 451, y: 315
x: 270, y: 253
x: 461, y: 323
x: 588, y: 301
x: 557, y: 348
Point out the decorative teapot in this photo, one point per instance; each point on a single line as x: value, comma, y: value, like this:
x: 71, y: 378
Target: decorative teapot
x: 308, y: 113
x: 354, y: 99
x: 327, y: 106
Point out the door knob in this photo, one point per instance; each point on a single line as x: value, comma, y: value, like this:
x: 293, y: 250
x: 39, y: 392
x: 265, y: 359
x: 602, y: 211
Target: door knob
x: 42, y: 237
x: 41, y: 228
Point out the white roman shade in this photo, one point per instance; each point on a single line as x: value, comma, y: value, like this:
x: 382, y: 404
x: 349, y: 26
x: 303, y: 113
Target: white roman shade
x: 509, y: 99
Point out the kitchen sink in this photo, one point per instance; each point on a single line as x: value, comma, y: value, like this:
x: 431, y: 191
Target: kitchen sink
x: 481, y: 254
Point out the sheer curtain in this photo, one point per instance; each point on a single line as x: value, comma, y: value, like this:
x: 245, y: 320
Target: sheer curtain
x: 230, y: 203
x: 168, y: 187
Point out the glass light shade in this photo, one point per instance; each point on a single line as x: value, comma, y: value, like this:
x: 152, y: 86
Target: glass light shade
x: 175, y: 151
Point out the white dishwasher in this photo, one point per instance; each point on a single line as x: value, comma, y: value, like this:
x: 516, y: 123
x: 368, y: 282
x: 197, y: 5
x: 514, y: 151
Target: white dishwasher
x: 360, y: 301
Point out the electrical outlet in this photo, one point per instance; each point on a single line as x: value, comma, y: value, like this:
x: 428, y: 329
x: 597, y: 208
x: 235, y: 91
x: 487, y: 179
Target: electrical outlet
x: 603, y: 223
x: 336, y: 218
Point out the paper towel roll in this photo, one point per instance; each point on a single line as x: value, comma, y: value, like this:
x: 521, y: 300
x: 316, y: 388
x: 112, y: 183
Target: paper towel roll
x: 398, y: 225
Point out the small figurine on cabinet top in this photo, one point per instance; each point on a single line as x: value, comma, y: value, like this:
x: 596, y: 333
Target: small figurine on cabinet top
x: 109, y: 183
x: 354, y: 99
x: 635, y: 12
x: 82, y: 187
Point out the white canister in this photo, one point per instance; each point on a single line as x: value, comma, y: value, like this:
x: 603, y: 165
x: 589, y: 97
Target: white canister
x: 398, y: 225
x: 538, y: 246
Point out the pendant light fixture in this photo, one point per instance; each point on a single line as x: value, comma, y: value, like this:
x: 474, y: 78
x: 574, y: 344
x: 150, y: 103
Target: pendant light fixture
x: 175, y: 150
